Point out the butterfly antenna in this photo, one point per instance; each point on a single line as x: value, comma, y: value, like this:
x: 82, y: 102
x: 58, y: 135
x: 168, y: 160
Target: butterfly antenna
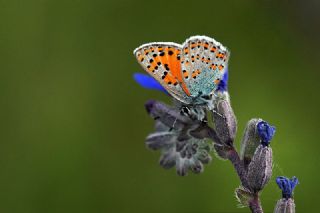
x: 217, y: 144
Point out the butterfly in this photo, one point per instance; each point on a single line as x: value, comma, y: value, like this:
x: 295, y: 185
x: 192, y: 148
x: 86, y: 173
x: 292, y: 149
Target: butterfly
x: 190, y: 72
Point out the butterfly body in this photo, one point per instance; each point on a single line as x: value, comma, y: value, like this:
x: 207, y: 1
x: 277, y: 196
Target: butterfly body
x: 189, y: 72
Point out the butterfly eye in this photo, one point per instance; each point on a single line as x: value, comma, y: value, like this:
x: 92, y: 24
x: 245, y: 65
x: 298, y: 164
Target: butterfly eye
x: 206, y: 97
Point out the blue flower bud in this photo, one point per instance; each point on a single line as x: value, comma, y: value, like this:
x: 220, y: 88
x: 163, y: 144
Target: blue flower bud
x: 287, y: 185
x: 223, y: 85
x: 148, y: 82
x: 266, y: 132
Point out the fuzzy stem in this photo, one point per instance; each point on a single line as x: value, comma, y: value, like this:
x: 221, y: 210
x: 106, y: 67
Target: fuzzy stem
x: 255, y: 205
x: 234, y: 158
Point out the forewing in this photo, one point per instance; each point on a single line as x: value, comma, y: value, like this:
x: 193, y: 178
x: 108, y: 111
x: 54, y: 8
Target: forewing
x: 163, y: 62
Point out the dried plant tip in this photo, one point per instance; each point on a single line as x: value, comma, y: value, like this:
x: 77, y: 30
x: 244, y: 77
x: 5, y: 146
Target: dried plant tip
x: 260, y: 168
x: 186, y: 155
x: 160, y: 127
x: 169, y: 116
x: 203, y: 156
x: 250, y: 141
x: 159, y: 140
x: 204, y: 131
x: 168, y: 159
x: 287, y: 185
x: 196, y: 166
x: 285, y: 206
x: 182, y: 166
x: 243, y: 196
x: 225, y: 122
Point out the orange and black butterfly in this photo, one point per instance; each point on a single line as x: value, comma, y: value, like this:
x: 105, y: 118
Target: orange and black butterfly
x: 190, y: 72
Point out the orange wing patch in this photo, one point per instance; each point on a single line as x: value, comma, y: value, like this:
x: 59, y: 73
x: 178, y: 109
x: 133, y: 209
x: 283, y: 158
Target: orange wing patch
x: 170, y: 58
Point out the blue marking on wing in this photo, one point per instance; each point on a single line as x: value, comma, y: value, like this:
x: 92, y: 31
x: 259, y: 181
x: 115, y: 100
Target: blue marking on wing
x: 223, y: 85
x: 146, y: 81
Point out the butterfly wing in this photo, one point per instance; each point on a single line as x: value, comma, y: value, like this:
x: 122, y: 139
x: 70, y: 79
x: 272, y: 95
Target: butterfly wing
x: 163, y: 62
x: 203, y: 64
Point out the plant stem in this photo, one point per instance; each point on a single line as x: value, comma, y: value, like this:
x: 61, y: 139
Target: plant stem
x: 233, y: 156
x: 255, y: 205
x: 204, y: 131
x: 238, y: 165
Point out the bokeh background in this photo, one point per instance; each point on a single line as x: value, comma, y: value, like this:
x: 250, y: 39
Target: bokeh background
x: 72, y: 118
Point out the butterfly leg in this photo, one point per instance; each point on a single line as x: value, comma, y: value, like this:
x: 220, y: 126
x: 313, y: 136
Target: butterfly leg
x: 195, y: 113
x: 171, y: 128
x: 185, y: 111
x: 217, y: 113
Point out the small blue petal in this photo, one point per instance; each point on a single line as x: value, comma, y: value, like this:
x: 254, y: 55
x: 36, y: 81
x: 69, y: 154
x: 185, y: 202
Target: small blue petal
x: 287, y: 185
x: 223, y: 85
x: 266, y: 132
x: 148, y: 82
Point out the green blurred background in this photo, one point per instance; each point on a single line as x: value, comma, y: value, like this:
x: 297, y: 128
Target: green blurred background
x: 72, y: 118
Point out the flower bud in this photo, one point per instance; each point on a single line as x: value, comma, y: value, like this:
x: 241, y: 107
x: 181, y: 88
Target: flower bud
x: 189, y: 154
x: 225, y: 122
x: 182, y: 166
x: 257, y: 132
x: 266, y: 132
x: 285, y: 206
x: 250, y: 141
x: 196, y: 166
x: 159, y: 126
x: 160, y: 140
x: 287, y: 185
x: 260, y: 168
x: 203, y: 156
x: 168, y: 158
x: 243, y: 196
x: 223, y: 84
x: 169, y: 116
x: 192, y: 154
